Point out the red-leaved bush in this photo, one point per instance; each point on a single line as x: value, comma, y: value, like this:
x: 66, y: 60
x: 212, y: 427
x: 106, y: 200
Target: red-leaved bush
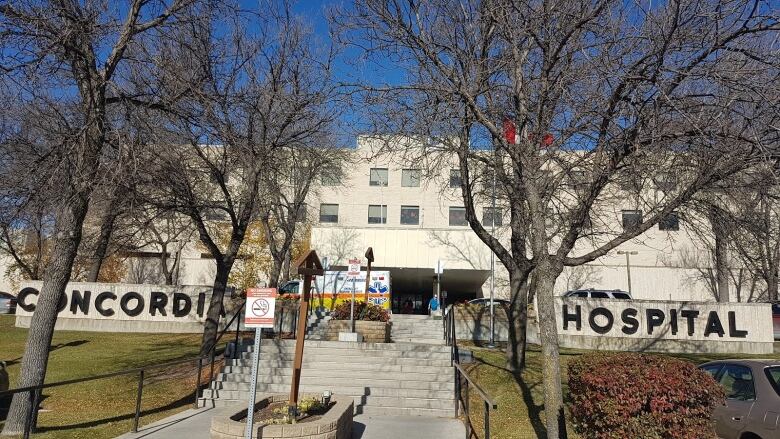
x: 363, y: 311
x: 630, y: 395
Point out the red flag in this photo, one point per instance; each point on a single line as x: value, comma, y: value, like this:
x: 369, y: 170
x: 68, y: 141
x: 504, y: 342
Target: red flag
x: 547, y: 140
x: 510, y: 131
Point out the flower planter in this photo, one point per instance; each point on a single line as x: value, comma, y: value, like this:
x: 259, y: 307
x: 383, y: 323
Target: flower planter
x: 372, y: 332
x: 229, y: 422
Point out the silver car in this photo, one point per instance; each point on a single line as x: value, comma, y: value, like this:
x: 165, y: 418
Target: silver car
x: 752, y: 407
x: 7, y: 304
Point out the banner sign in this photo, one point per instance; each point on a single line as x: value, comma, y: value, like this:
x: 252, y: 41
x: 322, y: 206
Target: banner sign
x: 260, y: 307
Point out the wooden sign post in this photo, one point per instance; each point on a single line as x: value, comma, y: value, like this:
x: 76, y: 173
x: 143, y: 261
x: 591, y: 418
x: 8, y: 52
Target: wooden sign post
x: 370, y: 258
x: 309, y: 265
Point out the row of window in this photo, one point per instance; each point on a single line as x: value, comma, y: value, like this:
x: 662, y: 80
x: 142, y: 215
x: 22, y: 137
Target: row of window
x: 380, y: 177
x: 410, y: 215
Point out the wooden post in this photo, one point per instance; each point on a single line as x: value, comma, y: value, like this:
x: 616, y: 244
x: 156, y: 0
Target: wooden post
x: 370, y: 258
x: 309, y: 266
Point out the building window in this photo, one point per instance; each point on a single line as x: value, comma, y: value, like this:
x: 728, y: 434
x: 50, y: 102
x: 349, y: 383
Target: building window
x: 454, y: 177
x: 631, y: 219
x: 410, y: 215
x: 666, y: 182
x: 580, y: 180
x: 378, y: 177
x: 329, y: 213
x: 458, y: 216
x: 491, y: 216
x: 410, y: 177
x: 330, y: 179
x: 670, y: 223
x: 377, y: 214
x: 300, y: 216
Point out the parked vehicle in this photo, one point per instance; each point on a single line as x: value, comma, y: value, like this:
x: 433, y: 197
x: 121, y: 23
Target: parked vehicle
x: 485, y: 301
x: 598, y: 294
x: 776, y: 320
x: 752, y: 398
x: 7, y: 304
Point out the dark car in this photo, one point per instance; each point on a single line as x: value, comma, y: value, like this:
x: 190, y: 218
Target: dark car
x: 598, y: 294
x: 776, y: 319
x: 7, y: 304
x: 752, y: 398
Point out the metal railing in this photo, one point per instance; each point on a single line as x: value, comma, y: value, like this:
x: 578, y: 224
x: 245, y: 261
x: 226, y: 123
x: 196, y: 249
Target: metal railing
x: 35, y: 391
x: 464, y: 382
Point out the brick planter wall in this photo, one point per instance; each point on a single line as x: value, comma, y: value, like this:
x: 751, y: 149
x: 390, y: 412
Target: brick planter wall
x: 373, y: 332
x: 228, y: 423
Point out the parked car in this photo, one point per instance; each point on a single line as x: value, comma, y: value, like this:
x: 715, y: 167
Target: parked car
x: 485, y: 301
x: 598, y: 294
x: 7, y: 304
x: 752, y: 398
x: 776, y: 319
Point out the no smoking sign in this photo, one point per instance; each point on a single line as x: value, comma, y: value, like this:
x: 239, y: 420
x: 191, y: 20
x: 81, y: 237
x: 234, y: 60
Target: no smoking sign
x: 260, y: 304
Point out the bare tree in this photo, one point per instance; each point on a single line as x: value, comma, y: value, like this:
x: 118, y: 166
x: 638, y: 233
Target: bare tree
x: 64, y: 59
x: 259, y: 91
x: 574, y: 106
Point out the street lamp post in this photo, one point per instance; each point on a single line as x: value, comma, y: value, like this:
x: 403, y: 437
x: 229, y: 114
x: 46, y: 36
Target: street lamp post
x: 628, y: 265
x: 492, y: 343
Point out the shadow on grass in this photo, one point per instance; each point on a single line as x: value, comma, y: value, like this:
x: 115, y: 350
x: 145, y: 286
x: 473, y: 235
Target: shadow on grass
x: 69, y: 344
x: 183, y: 401
x: 527, y: 391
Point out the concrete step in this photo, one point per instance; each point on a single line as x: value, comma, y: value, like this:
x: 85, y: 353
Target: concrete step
x: 235, y: 389
x: 327, y: 359
x: 314, y: 356
x: 336, y: 384
x: 330, y: 374
x: 429, y: 341
x: 440, y: 366
x: 395, y: 317
x: 289, y: 345
x: 403, y: 411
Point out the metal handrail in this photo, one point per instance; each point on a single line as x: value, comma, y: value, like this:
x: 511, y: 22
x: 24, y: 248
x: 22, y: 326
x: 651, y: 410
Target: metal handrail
x: 35, y: 391
x: 488, y: 402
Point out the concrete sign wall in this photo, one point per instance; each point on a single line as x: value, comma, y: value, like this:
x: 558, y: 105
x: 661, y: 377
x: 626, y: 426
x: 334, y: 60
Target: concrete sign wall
x: 644, y: 325
x: 122, y: 307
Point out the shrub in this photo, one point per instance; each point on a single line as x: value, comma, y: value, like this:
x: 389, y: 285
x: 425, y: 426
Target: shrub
x: 629, y: 395
x: 363, y: 311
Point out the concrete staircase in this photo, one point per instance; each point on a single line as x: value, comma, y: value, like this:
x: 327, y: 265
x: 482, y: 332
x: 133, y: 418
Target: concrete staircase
x: 390, y: 379
x: 412, y: 328
x: 317, y: 325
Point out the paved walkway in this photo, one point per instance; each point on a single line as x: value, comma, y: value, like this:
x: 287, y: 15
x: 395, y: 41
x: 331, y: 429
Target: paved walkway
x: 195, y: 424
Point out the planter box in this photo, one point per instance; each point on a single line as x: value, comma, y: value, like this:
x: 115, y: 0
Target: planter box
x: 228, y: 423
x: 372, y: 332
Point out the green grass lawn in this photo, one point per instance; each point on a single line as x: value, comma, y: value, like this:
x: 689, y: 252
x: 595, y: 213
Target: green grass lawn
x: 520, y: 413
x: 105, y: 408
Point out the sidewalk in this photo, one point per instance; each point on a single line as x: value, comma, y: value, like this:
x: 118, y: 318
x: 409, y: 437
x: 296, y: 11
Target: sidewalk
x: 195, y: 424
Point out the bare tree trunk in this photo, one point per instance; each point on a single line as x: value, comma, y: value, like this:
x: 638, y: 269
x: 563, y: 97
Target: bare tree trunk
x: 167, y: 272
x: 772, y: 285
x: 276, y: 273
x: 518, y: 321
x: 555, y: 419
x: 101, y: 246
x: 721, y: 254
x: 214, y: 313
x: 56, y: 277
x: 286, y: 267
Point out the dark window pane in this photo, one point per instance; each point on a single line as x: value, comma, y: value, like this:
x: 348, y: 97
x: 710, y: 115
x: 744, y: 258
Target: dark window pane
x: 377, y: 214
x: 670, y: 223
x: 410, y: 178
x: 330, y: 179
x: 454, y: 177
x: 632, y: 219
x: 489, y: 215
x: 599, y: 295
x: 621, y: 296
x: 329, y: 213
x: 666, y: 182
x: 410, y: 215
x: 458, y: 216
x: 738, y: 382
x: 712, y: 369
x: 773, y: 373
x: 378, y: 177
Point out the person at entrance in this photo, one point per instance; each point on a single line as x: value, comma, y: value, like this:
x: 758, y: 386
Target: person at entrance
x: 408, y: 307
x: 433, y: 306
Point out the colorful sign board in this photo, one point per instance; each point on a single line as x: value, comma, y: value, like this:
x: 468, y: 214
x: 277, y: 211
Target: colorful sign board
x: 336, y: 286
x: 260, y: 307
